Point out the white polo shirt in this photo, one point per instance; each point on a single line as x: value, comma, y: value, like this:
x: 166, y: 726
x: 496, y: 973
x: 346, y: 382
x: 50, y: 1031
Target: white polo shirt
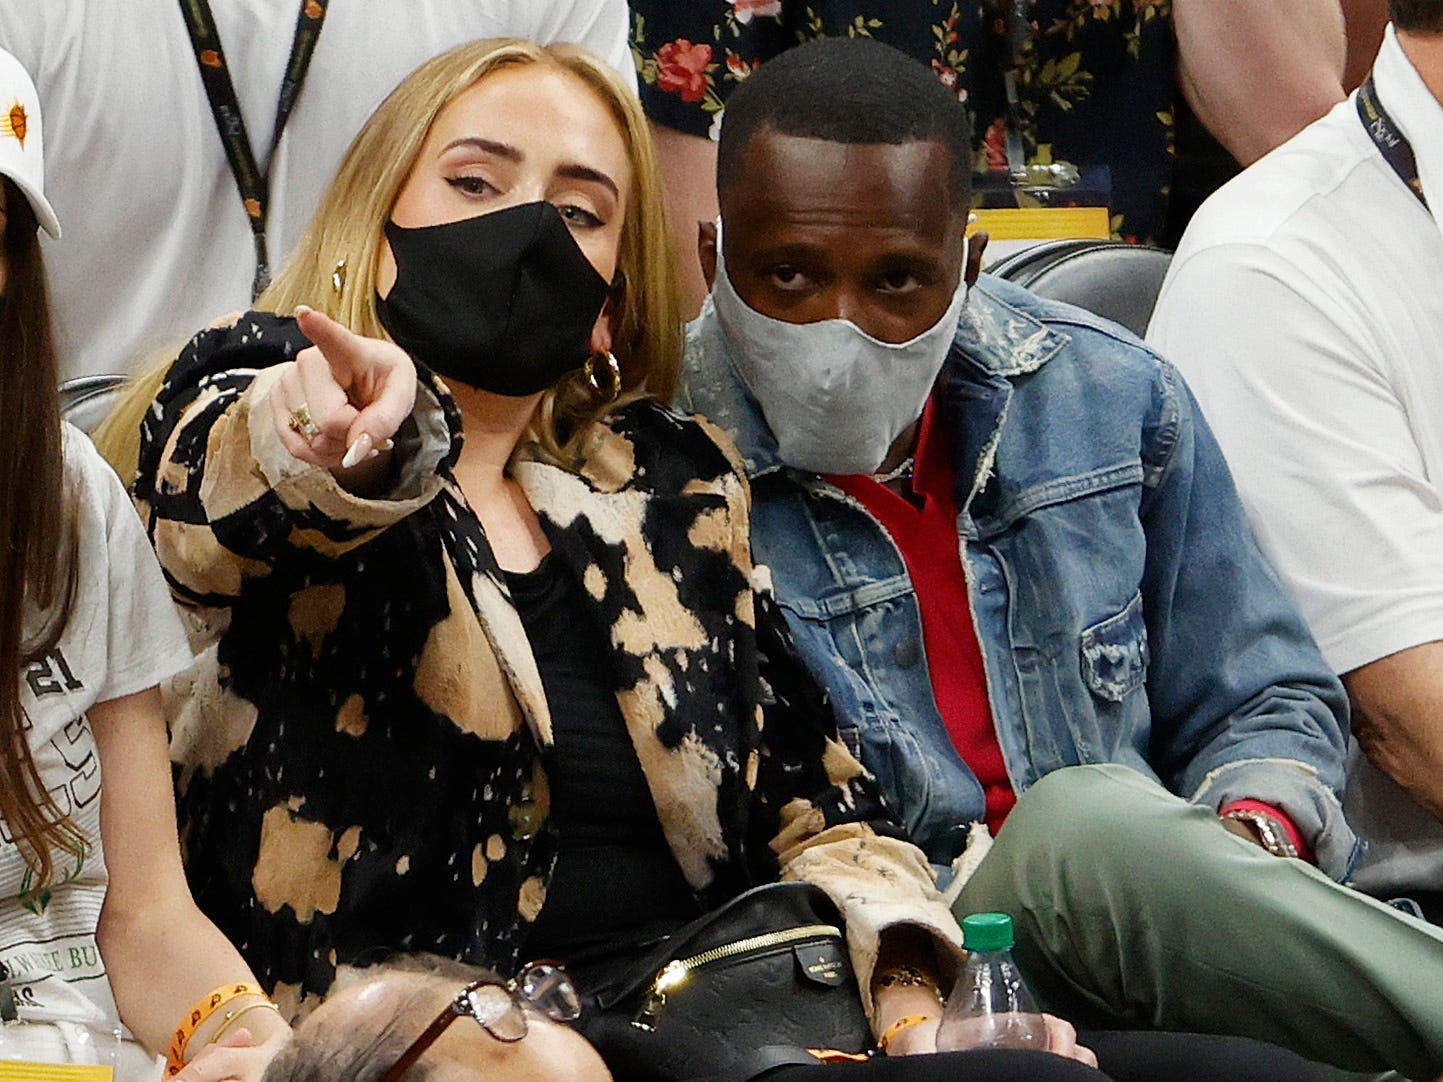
x: 1305, y: 307
x: 156, y: 242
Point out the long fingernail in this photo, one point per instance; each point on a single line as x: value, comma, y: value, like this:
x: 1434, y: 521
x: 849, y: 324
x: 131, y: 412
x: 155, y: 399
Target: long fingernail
x: 301, y: 309
x: 357, y: 452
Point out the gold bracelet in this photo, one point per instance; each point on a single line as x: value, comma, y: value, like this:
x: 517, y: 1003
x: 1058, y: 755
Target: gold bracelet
x: 231, y: 1017
x: 906, y: 976
x: 905, y: 1022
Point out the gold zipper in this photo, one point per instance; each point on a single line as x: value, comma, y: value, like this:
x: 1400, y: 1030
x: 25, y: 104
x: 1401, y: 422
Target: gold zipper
x: 676, y: 972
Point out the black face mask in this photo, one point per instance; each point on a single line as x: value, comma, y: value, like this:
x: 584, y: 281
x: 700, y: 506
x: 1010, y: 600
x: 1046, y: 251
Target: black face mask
x: 504, y: 302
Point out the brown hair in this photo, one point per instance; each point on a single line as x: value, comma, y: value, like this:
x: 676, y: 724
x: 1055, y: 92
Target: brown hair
x: 37, y: 533
x: 1416, y: 16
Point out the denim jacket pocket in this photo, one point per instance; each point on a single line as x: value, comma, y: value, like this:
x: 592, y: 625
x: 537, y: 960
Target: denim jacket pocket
x: 1115, y: 653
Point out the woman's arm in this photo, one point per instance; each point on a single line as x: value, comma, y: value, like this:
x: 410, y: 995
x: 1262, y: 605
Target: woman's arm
x: 226, y: 485
x: 161, y: 953
x: 824, y: 817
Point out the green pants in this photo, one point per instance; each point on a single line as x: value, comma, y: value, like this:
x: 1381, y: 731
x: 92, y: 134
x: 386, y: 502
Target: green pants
x: 1134, y: 908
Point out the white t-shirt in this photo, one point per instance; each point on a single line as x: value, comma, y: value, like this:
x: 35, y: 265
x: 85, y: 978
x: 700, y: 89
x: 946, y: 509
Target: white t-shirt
x: 1305, y: 307
x: 156, y: 243
x: 123, y: 636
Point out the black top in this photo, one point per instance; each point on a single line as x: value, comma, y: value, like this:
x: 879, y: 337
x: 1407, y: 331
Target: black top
x: 615, y: 884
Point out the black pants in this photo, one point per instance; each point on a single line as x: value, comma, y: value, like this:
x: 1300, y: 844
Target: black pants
x: 1146, y: 1056
x: 1123, y: 1057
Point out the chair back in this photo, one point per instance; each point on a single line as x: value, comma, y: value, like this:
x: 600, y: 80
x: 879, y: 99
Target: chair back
x: 1117, y: 281
x: 85, y: 400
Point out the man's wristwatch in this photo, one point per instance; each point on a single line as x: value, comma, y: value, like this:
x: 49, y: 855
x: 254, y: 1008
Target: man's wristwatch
x: 1275, y: 840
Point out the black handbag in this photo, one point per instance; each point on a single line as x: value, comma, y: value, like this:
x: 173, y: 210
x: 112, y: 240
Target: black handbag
x: 746, y: 987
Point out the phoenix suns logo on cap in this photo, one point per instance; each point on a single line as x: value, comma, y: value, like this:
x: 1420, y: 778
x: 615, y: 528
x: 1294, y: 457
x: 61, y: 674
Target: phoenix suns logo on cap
x: 15, y: 122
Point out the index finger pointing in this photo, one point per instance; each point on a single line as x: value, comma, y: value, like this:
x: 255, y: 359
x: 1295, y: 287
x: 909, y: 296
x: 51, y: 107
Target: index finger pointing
x: 343, y: 348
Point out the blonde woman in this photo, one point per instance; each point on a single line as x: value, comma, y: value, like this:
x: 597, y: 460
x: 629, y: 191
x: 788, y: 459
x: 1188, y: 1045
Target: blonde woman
x: 485, y: 672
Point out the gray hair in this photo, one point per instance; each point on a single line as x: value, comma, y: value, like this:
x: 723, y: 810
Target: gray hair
x: 362, y: 1046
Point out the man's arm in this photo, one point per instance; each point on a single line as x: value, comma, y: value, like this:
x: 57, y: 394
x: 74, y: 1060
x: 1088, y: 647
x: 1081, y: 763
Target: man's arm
x: 1398, y: 719
x: 1256, y: 74
x: 1300, y: 394
x: 1245, y: 711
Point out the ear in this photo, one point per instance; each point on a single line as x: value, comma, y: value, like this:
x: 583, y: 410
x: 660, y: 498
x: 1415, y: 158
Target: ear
x: 601, y: 336
x: 976, y: 245
x: 706, y: 251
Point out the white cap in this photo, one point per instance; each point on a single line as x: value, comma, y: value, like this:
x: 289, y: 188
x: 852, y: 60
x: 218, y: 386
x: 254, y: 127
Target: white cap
x: 22, y: 148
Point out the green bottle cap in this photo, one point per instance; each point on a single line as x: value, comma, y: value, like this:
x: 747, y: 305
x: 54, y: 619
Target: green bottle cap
x: 987, y: 932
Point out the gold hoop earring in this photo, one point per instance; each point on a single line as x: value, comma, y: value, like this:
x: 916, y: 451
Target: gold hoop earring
x: 608, y: 393
x: 338, y: 277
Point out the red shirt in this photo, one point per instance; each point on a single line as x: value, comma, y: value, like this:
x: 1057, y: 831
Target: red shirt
x: 927, y: 538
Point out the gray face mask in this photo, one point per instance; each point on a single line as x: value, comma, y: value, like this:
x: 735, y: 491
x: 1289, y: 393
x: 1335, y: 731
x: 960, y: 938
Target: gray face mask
x: 835, y: 398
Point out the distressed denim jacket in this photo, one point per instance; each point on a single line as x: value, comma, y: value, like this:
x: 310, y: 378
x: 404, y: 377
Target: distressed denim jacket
x: 1124, y: 611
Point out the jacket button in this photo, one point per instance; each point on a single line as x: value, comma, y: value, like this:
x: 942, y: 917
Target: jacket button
x: 907, y: 653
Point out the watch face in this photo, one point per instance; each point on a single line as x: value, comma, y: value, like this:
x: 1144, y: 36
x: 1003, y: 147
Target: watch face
x: 1274, y: 840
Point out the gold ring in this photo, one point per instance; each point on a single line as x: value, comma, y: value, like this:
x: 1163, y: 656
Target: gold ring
x: 302, y: 425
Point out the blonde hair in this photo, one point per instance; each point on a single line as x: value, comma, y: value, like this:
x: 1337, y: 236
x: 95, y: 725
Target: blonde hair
x: 348, y: 230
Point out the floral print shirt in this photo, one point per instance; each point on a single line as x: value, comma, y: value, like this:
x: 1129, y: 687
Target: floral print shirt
x: 1096, y: 81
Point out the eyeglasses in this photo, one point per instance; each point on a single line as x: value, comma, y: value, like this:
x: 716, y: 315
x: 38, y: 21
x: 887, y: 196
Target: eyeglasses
x: 499, y: 1007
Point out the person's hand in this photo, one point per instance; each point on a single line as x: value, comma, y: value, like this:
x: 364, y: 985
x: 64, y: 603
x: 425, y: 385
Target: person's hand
x: 1062, y: 1040
x: 343, y: 398
x: 236, y: 1057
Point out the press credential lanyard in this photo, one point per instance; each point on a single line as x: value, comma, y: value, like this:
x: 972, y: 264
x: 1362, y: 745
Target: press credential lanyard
x: 1391, y: 142
x: 251, y: 180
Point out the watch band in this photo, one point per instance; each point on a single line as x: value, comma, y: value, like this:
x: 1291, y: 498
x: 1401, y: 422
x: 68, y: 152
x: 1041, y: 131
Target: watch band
x: 1274, y: 839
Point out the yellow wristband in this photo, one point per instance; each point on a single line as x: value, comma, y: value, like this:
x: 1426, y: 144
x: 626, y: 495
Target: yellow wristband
x: 203, y: 1009
x: 905, y: 1022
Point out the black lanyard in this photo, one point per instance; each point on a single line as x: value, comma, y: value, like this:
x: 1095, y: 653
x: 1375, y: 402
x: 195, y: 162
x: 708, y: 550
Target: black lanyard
x: 1391, y: 142
x: 251, y: 180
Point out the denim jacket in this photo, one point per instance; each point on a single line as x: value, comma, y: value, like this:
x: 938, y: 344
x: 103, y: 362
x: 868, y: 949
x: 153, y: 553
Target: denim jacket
x: 1124, y: 612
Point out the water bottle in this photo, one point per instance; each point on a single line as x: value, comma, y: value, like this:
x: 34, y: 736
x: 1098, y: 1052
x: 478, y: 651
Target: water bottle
x: 990, y: 1006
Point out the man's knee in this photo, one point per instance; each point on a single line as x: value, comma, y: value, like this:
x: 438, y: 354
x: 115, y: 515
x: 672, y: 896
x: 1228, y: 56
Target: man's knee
x: 1102, y: 789
x: 1079, y: 805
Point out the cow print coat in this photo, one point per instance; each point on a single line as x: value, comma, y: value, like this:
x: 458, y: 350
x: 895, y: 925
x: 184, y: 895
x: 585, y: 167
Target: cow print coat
x: 362, y: 750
